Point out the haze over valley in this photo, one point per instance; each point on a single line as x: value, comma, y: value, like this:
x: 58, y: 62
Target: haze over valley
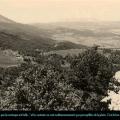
x: 105, y: 34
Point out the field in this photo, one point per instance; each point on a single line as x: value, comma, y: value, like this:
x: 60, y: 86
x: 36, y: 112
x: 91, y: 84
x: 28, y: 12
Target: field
x: 8, y: 60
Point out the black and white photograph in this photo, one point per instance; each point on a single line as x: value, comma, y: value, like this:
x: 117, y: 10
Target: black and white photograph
x: 59, y: 55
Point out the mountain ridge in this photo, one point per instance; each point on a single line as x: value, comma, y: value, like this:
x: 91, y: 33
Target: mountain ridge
x: 5, y: 19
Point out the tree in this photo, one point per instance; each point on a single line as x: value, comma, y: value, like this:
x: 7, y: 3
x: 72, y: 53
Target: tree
x: 93, y: 71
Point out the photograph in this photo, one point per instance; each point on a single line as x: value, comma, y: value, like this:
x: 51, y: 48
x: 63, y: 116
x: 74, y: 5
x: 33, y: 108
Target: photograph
x: 60, y: 55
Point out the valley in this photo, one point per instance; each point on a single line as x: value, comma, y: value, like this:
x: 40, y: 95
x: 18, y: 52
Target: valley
x: 105, y: 34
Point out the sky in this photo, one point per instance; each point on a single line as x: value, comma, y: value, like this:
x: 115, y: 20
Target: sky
x: 42, y: 11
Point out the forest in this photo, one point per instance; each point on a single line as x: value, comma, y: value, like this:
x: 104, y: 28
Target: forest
x: 60, y: 83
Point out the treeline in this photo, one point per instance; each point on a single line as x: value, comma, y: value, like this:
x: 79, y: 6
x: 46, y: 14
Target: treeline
x: 53, y: 82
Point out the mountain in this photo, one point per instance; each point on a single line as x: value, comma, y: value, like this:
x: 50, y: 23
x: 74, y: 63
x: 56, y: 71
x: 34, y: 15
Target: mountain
x: 24, y: 38
x: 5, y: 20
x: 21, y: 37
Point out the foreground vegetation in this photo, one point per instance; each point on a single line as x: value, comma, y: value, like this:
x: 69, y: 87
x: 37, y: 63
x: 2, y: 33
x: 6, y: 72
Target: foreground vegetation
x: 55, y: 82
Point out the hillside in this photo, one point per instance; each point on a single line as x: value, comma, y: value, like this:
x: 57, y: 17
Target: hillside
x: 21, y: 30
x: 15, y: 42
x: 5, y: 20
x: 23, y: 37
x: 63, y: 45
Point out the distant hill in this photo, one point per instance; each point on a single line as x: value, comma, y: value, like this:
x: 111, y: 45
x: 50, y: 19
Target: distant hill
x: 5, y: 20
x: 80, y: 25
x: 23, y: 37
x: 67, y: 45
